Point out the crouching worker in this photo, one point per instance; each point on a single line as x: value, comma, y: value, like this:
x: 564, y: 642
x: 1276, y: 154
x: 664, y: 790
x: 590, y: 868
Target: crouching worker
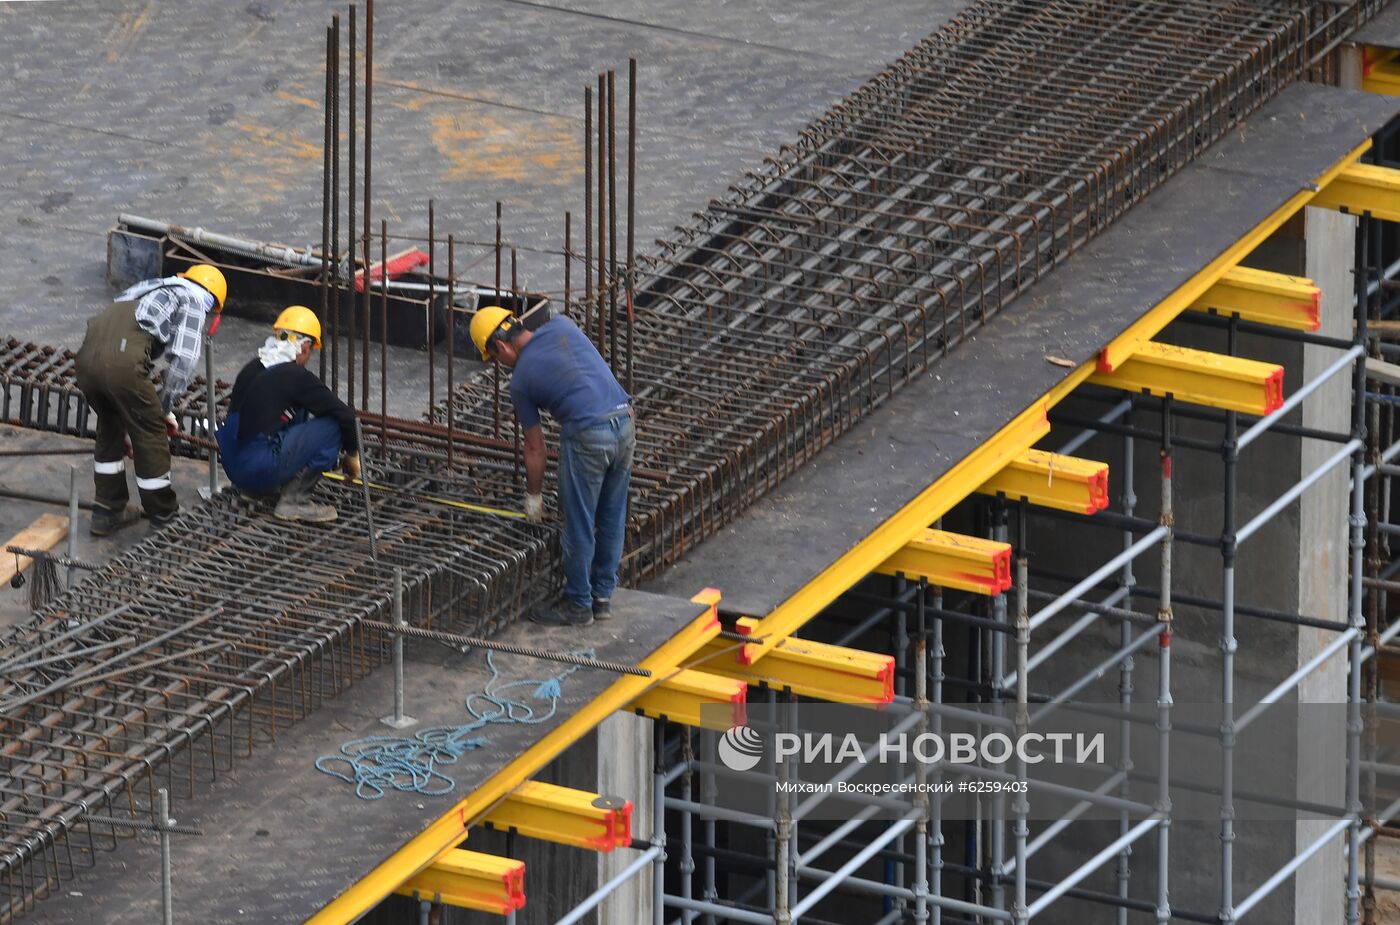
x: 284, y: 427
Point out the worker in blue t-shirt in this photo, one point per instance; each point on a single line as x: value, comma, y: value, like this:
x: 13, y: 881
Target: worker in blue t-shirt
x: 558, y: 370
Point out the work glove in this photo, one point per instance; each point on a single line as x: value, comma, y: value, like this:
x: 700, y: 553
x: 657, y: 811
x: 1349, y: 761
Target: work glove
x: 172, y: 426
x: 534, y: 508
x: 351, y: 465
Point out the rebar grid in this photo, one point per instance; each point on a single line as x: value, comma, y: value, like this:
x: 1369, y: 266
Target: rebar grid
x: 232, y: 626
x: 897, y: 225
x: 39, y: 390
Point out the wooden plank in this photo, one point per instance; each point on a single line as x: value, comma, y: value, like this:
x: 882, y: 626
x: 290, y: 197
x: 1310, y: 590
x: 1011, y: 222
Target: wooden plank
x: 44, y: 533
x: 1381, y: 371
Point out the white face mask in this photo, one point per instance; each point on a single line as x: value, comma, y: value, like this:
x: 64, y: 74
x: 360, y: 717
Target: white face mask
x: 275, y: 350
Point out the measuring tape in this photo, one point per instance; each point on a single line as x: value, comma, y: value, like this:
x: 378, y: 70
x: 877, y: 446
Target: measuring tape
x: 464, y: 505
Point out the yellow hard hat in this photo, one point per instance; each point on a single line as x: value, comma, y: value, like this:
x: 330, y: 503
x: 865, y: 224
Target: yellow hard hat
x: 211, y: 279
x: 299, y: 320
x: 487, y: 322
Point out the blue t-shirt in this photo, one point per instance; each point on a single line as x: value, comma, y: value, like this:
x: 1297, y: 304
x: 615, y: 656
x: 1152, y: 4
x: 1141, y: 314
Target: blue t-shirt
x: 560, y: 371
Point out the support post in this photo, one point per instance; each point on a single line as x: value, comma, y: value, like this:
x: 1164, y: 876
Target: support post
x: 1164, y: 662
x: 398, y: 719
x: 167, y: 900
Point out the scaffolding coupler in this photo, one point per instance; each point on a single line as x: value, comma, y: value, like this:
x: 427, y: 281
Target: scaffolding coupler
x: 1199, y: 377
x: 1066, y: 483
x: 952, y: 560
x: 564, y: 816
x: 1363, y: 188
x: 471, y: 880
x: 836, y: 674
x: 696, y: 698
x: 1264, y: 297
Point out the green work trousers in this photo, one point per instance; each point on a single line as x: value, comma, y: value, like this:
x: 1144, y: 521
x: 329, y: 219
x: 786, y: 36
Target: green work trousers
x: 114, y: 372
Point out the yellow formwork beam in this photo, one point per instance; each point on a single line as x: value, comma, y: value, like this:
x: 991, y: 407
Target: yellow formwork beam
x: 1164, y: 312
x: 952, y: 560
x: 1066, y: 483
x: 1380, y: 70
x: 1363, y: 188
x: 441, y: 836
x: 683, y: 698
x: 837, y: 674
x: 1267, y: 298
x: 564, y: 816
x: 471, y: 880
x: 1199, y: 377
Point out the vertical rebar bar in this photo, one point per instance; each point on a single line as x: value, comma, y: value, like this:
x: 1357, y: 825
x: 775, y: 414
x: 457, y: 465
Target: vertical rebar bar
x: 451, y: 337
x: 367, y: 318
x: 335, y: 204
x: 209, y: 411
x: 613, y: 358
x: 369, y: 202
x: 496, y: 367
x: 516, y: 298
x: 569, y: 265
x: 383, y: 332
x: 326, y: 196
x: 631, y: 216
x: 364, y: 490
x: 351, y: 295
x: 598, y: 294
x: 587, y: 210
x: 73, y: 521
x: 432, y: 311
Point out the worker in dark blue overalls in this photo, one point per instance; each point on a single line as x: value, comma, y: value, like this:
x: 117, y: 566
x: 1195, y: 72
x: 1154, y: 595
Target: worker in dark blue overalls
x: 284, y: 427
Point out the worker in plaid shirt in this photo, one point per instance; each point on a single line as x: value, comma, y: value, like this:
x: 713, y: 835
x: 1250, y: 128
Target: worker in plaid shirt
x: 153, y: 319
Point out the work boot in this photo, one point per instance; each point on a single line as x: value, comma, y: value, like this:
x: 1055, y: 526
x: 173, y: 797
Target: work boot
x: 602, y: 608
x: 296, y: 504
x: 106, y: 521
x: 563, y: 612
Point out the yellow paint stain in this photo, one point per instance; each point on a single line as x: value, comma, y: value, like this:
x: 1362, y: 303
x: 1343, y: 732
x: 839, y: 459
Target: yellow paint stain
x: 271, y: 139
x: 128, y: 29
x: 506, y: 146
x: 299, y: 100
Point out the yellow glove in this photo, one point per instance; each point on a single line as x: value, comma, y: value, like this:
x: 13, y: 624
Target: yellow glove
x: 534, y: 508
x: 352, y: 465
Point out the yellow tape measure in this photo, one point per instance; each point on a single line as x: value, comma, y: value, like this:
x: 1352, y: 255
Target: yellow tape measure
x: 464, y: 505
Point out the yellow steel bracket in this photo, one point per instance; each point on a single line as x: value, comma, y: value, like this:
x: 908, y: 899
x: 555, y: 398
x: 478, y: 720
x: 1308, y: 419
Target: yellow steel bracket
x: 1363, y: 188
x: 1066, y: 483
x: 1159, y: 316
x: 564, y: 816
x: 837, y: 674
x: 952, y: 560
x: 1265, y: 297
x: 695, y: 698
x: 444, y: 833
x: 1199, y: 377
x: 989, y: 457
x: 1380, y: 70
x: 471, y: 880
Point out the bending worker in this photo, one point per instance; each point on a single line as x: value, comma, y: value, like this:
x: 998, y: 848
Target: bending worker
x: 268, y: 443
x: 557, y: 369
x: 158, y: 317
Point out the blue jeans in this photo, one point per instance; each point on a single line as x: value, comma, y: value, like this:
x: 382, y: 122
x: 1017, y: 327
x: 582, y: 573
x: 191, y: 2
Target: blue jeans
x: 264, y: 464
x: 595, y: 468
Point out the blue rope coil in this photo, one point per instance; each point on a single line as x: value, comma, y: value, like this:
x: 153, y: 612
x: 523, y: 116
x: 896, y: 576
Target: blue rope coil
x: 374, y: 765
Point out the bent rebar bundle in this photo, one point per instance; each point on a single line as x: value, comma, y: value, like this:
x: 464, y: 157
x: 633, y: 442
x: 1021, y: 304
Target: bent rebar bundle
x: 894, y: 227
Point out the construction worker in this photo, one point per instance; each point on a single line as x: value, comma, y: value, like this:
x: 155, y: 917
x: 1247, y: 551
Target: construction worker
x: 557, y: 369
x: 155, y: 318
x: 285, y: 428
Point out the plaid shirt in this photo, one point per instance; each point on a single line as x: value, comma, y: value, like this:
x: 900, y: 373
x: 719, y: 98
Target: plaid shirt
x: 172, y: 311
